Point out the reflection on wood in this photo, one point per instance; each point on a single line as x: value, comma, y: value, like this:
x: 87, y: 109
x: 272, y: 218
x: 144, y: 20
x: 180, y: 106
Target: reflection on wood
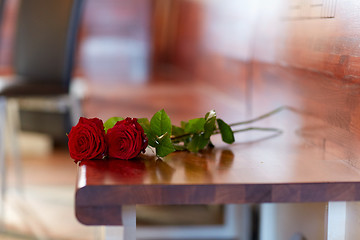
x: 302, y: 56
x: 315, y: 63
x: 282, y: 168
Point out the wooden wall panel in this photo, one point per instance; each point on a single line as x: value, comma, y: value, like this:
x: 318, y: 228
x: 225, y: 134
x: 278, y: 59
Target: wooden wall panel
x: 187, y: 44
x: 311, y: 63
x: 115, y: 41
x: 7, y: 24
x: 212, y: 40
x: 326, y: 45
x: 304, y: 54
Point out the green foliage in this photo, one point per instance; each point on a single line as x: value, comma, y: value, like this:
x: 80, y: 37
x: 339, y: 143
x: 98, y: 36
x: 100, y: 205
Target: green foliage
x: 197, y: 142
x: 164, y: 146
x: 227, y: 134
x: 179, y: 147
x: 193, y: 135
x: 111, y: 122
x: 159, y: 134
x: 195, y: 125
x: 183, y: 124
x: 145, y: 124
x: 177, y: 131
x: 160, y: 123
x: 210, y: 124
x: 210, y: 114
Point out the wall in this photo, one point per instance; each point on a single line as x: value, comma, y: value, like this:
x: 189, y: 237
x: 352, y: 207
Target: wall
x: 311, y: 62
x: 300, y: 53
x: 211, y: 41
x: 306, y: 55
x: 115, y: 41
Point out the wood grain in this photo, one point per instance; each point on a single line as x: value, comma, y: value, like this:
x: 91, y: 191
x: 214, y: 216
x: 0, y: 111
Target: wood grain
x: 315, y: 61
x: 259, y: 167
x: 306, y: 61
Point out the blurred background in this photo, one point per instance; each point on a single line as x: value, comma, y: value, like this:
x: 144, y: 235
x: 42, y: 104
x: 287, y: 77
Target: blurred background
x: 134, y: 57
x: 128, y: 58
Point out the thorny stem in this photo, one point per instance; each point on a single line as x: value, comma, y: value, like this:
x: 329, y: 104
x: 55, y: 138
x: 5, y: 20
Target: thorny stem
x: 260, y: 117
x: 255, y: 128
x: 245, y: 122
x: 235, y: 131
x: 180, y: 136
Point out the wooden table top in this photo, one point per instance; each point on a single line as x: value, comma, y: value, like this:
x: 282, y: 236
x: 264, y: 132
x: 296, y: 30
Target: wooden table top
x: 259, y: 167
x: 299, y: 165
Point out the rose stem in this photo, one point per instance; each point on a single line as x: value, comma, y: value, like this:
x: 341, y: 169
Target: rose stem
x: 260, y: 117
x: 236, y: 131
x: 245, y: 122
x: 255, y: 128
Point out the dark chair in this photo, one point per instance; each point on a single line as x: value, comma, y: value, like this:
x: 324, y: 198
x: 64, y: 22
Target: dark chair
x: 2, y: 166
x: 44, y: 48
x: 2, y: 3
x: 43, y: 62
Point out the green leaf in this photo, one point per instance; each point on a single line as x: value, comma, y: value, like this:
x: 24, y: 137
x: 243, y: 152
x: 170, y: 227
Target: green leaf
x: 183, y: 124
x: 111, y: 122
x: 198, y: 142
x: 164, y: 146
x: 177, y: 131
x: 195, y: 125
x: 160, y: 123
x: 160, y: 138
x: 145, y: 124
x: 151, y: 139
x: 179, y: 147
x: 210, y: 114
x: 209, y: 126
x: 227, y: 134
x: 160, y: 132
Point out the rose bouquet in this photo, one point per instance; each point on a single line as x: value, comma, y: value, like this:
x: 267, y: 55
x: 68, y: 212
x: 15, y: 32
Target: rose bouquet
x: 126, y: 138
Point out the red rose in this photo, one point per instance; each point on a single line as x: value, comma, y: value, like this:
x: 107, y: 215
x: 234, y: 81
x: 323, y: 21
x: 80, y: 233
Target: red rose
x: 87, y: 140
x: 126, y: 139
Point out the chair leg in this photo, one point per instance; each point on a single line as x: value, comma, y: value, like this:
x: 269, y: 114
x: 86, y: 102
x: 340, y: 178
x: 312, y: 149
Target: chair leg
x: 2, y: 158
x: 14, y: 126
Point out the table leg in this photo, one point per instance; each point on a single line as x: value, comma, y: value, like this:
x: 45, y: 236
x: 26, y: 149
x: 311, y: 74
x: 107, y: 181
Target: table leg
x: 128, y: 230
x: 3, y: 170
x: 13, y: 126
x: 336, y: 221
x: 129, y: 221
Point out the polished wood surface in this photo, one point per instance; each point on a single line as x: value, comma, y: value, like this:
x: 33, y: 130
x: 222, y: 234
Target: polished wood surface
x: 258, y: 167
x: 315, y: 61
x: 255, y: 158
x: 275, y: 55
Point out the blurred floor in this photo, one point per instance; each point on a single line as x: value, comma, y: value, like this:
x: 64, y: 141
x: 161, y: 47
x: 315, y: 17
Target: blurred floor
x: 114, y: 60
x: 45, y: 209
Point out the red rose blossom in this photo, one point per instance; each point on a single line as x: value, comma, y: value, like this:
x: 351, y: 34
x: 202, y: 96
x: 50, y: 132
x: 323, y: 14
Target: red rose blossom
x: 87, y: 139
x: 126, y: 139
